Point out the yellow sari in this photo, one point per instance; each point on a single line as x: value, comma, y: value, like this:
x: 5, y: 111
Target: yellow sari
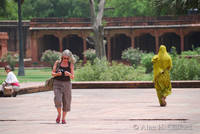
x: 162, y: 64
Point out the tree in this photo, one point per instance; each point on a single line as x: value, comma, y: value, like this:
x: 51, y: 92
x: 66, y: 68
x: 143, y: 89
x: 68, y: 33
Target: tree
x: 21, y: 52
x: 98, y: 29
x: 55, y: 8
x: 127, y: 8
x: 8, y: 9
x: 2, y: 7
x: 175, y: 7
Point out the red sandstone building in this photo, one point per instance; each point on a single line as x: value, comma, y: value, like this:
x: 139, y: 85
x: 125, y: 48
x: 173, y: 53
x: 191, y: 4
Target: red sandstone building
x: 145, y: 33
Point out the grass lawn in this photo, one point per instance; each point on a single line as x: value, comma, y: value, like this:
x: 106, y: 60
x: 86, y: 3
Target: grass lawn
x: 31, y: 75
x: 42, y: 74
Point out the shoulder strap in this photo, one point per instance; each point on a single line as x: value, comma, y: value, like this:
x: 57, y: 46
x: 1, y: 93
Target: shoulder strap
x: 58, y: 66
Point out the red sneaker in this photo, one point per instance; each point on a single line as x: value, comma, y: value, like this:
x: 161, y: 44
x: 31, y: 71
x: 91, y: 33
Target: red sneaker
x: 58, y: 120
x: 63, y: 122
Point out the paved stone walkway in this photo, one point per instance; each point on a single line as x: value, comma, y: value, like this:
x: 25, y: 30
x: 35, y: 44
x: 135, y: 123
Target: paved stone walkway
x: 103, y: 111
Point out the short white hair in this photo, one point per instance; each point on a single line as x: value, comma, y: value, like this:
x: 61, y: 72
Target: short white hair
x: 68, y: 53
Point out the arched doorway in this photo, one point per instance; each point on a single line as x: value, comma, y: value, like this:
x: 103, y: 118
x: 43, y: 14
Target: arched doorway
x: 145, y: 42
x: 119, y: 43
x: 75, y: 44
x: 192, y: 40
x: 169, y: 40
x: 47, y: 42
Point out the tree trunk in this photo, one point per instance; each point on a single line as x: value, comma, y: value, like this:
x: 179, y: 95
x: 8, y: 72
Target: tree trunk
x: 97, y: 27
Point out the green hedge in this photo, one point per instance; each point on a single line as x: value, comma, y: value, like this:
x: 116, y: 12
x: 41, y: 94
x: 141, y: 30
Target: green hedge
x: 146, y: 62
x: 101, y: 70
x: 185, y: 69
x: 132, y: 55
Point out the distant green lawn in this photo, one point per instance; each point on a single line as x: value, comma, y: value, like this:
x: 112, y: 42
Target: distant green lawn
x: 31, y: 75
x: 42, y: 74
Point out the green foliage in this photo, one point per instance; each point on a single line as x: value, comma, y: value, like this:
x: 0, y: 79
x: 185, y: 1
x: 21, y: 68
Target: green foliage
x: 146, y: 62
x: 1, y: 81
x: 11, y: 59
x: 185, y: 69
x: 174, y: 7
x: 189, y: 53
x: 126, y: 8
x: 101, y: 70
x: 78, y: 61
x: 32, y: 75
x: 197, y: 50
x: 50, y: 56
x: 76, y: 57
x: 55, y: 8
x: 173, y: 51
x: 80, y: 8
x: 90, y: 55
x: 132, y: 55
x: 118, y: 72
x: 8, y: 10
x: 3, y: 5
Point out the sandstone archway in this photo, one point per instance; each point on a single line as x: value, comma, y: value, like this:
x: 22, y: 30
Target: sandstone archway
x: 47, y: 42
x: 75, y: 44
x: 119, y: 43
x: 145, y: 42
x: 192, y: 40
x: 169, y: 40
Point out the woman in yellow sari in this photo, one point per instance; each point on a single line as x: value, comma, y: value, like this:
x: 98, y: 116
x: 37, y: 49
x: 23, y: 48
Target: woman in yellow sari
x: 162, y: 64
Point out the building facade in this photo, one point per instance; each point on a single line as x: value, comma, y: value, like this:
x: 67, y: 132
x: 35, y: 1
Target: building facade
x: 145, y: 33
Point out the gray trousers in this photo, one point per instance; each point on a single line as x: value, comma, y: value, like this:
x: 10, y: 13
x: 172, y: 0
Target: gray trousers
x: 62, y: 94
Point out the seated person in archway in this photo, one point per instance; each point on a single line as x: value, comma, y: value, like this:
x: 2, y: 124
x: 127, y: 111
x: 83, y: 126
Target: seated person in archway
x: 11, y: 84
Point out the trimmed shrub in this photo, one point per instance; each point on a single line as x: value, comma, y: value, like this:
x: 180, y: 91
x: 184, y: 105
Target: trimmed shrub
x: 185, y: 69
x: 146, y: 62
x: 173, y: 51
x: 197, y: 50
x: 11, y: 59
x: 132, y: 55
x: 189, y: 53
x: 90, y: 55
x: 91, y: 72
x: 85, y: 73
x: 102, y: 71
x: 78, y: 61
x: 76, y: 57
x: 50, y: 57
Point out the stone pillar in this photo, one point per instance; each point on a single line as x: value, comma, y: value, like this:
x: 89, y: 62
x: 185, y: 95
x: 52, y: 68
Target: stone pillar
x: 17, y: 41
x: 84, y: 49
x: 4, y: 49
x: 34, y: 47
x: 60, y: 44
x: 133, y: 41
x: 182, y: 40
x: 3, y: 43
x: 67, y: 45
x: 157, y: 41
x: 28, y: 45
x: 109, y: 48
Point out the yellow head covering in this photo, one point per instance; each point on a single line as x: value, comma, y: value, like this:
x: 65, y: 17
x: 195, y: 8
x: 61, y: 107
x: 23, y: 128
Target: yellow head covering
x: 164, y: 58
x: 161, y: 62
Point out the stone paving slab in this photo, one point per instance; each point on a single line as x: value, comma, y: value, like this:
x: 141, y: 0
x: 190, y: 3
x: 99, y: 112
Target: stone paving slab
x: 103, y: 111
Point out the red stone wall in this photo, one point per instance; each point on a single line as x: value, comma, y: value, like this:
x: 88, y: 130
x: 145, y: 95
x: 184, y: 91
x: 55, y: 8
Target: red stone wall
x: 3, y: 43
